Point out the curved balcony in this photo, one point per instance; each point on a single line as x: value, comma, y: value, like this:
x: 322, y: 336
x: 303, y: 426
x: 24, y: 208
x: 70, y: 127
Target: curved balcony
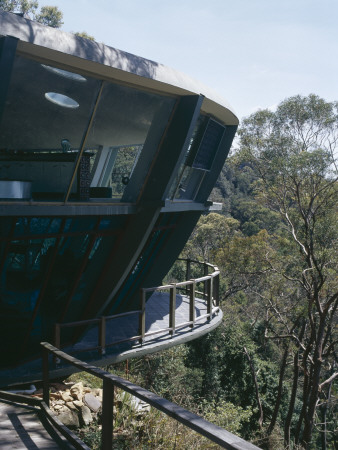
x: 169, y: 315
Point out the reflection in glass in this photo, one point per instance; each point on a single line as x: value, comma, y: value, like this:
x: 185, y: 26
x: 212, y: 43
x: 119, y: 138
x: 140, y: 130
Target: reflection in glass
x: 61, y: 100
x: 65, y: 73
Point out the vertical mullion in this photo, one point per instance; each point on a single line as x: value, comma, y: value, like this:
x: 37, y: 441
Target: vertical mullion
x: 84, y: 139
x: 8, y: 47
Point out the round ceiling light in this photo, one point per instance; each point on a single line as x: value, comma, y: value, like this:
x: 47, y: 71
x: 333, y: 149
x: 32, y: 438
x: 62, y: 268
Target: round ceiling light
x: 61, y: 100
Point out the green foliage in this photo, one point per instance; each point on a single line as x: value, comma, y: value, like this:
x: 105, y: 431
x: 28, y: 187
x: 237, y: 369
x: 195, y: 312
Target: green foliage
x: 208, y: 236
x: 25, y: 7
x: 226, y: 415
x: 50, y: 16
x: 85, y: 35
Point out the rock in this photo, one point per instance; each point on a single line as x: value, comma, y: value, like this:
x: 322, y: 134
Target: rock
x: 78, y: 403
x: 76, y: 391
x: 71, y: 405
x: 54, y: 395
x: 66, y: 396
x: 97, y: 392
x: 69, y: 418
x: 92, y: 402
x: 86, y: 415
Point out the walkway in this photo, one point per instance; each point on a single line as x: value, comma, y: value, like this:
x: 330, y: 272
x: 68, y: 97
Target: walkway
x: 22, y: 427
x: 157, y: 318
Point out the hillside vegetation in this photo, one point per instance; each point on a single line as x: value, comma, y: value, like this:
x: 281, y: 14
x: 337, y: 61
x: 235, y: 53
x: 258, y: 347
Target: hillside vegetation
x: 268, y: 372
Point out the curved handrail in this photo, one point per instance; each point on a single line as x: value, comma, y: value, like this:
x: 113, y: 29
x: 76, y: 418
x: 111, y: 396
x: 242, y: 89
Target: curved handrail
x: 210, y: 293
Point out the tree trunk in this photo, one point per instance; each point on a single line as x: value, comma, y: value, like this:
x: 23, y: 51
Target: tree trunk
x: 260, y: 420
x: 287, y: 427
x: 280, y: 391
x: 314, y: 391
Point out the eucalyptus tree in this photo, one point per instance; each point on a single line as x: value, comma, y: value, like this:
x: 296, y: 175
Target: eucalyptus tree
x: 292, y: 152
x: 48, y: 15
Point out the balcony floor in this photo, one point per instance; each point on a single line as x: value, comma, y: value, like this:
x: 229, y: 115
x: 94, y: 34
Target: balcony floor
x: 157, y: 318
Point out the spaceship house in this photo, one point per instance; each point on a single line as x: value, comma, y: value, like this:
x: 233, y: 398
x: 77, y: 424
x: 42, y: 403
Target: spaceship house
x: 107, y: 161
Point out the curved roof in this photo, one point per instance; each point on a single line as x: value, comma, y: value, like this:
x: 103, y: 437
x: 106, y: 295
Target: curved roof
x: 69, y: 50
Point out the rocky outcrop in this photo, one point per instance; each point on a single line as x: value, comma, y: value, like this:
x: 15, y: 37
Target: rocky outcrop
x: 77, y: 405
x: 74, y: 404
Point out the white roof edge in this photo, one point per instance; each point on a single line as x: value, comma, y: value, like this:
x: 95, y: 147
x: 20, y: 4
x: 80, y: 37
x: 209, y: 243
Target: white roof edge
x: 72, y: 50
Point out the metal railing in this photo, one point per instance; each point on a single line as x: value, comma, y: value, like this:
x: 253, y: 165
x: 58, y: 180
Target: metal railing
x: 191, y: 288
x: 214, y: 433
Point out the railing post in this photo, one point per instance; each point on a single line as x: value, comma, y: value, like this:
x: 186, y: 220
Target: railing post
x: 142, y: 317
x: 188, y: 272
x: 192, y: 304
x: 57, y: 341
x: 45, y: 375
x: 102, y: 336
x: 107, y: 414
x: 172, y: 309
x: 209, y: 297
x: 216, y: 290
x: 205, y: 283
x: 57, y: 336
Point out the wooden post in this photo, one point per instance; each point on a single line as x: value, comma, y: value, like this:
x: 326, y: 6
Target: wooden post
x: 142, y: 317
x: 188, y: 273
x: 209, y: 297
x: 172, y: 309
x: 102, y: 336
x: 45, y: 375
x: 57, y: 341
x: 216, y: 289
x: 107, y: 414
x: 192, y: 304
x: 205, y: 283
x: 57, y: 336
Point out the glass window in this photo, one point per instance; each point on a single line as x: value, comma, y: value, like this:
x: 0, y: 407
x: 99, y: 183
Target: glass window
x: 46, y: 114
x: 46, y: 119
x: 127, y: 129
x: 199, y: 158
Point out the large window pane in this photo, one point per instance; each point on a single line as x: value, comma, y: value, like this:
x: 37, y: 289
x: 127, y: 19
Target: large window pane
x: 127, y: 128
x: 46, y: 114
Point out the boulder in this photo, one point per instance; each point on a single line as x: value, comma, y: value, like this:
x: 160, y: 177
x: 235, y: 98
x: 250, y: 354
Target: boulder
x: 76, y: 391
x: 69, y: 418
x: 66, y: 396
x: 92, y: 402
x: 86, y: 415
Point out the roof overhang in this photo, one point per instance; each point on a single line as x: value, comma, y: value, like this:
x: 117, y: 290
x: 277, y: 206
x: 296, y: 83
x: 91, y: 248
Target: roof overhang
x: 69, y: 51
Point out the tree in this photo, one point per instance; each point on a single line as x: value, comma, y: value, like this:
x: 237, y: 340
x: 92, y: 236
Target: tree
x: 292, y: 153
x: 50, y: 16
x: 85, y: 35
x: 25, y: 7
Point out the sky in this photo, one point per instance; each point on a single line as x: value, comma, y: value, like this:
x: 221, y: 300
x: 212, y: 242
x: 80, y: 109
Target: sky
x: 254, y: 53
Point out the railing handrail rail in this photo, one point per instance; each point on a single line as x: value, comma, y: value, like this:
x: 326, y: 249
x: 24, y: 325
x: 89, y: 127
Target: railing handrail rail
x: 213, y: 432
x: 215, y: 273
x: 210, y: 293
